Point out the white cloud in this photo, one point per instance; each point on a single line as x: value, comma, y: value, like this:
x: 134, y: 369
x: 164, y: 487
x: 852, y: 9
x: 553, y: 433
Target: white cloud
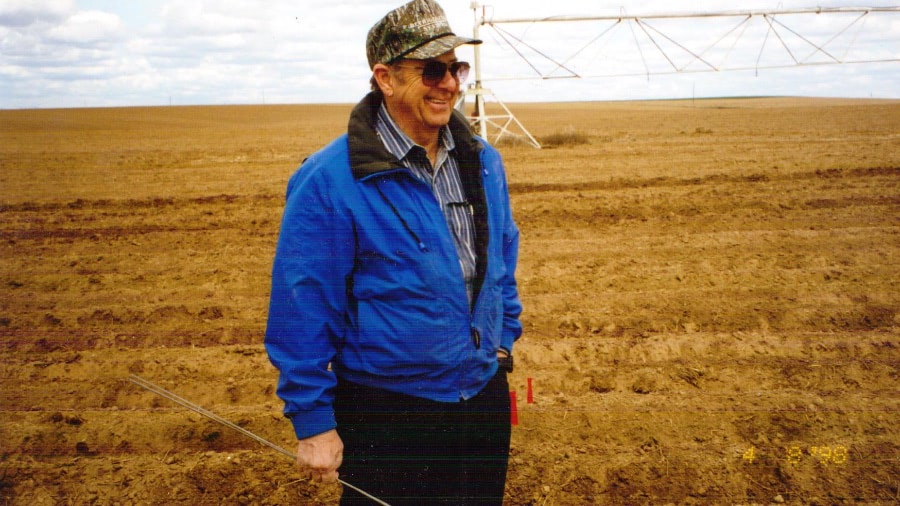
x: 18, y: 13
x: 107, y: 52
x: 199, y: 18
x: 88, y: 28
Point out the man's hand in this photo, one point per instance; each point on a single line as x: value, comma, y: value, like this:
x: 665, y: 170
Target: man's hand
x: 321, y: 455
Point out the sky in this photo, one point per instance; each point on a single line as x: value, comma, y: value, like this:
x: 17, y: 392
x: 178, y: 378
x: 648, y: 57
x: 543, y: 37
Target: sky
x: 111, y: 53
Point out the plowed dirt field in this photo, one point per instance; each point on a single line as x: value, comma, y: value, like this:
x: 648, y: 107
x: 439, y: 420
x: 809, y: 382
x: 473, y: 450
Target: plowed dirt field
x: 711, y: 295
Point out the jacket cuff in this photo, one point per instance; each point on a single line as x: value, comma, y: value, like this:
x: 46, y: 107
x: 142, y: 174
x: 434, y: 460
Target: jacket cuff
x: 311, y: 423
x: 506, y: 342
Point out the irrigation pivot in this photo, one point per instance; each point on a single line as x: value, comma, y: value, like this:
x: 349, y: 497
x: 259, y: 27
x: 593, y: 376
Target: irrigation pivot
x: 672, y: 44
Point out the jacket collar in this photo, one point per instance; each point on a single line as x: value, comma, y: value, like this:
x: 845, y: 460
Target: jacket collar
x: 368, y: 155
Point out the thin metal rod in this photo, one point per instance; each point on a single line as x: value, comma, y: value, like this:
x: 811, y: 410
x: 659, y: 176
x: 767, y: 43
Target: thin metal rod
x: 816, y: 10
x: 736, y: 69
x: 162, y: 392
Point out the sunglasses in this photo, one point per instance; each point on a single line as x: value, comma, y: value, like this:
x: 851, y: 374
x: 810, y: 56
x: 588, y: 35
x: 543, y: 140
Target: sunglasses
x: 434, y: 71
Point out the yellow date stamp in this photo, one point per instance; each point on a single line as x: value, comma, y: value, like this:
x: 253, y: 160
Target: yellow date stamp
x: 795, y: 454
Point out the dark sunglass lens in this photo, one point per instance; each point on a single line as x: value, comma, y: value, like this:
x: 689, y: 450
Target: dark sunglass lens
x: 460, y: 70
x: 434, y: 72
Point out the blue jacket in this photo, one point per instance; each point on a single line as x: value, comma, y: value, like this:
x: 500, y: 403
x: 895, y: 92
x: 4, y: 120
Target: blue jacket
x: 366, y: 282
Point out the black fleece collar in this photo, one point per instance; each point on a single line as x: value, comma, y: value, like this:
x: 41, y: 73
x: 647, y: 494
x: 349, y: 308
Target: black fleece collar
x: 368, y: 154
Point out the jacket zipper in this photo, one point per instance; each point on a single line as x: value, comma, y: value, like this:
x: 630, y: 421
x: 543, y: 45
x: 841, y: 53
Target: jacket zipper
x: 476, y: 335
x: 409, y: 229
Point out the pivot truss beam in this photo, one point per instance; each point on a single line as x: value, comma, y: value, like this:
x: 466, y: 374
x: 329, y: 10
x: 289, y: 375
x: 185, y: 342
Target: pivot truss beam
x: 622, y: 17
x: 740, y: 40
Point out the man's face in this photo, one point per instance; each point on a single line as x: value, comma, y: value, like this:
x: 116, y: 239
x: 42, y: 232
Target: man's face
x: 419, y: 108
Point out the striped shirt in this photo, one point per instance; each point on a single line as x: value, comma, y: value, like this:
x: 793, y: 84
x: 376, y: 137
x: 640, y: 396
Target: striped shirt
x: 444, y: 181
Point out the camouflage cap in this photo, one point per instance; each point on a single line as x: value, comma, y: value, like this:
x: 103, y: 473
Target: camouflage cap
x: 418, y: 30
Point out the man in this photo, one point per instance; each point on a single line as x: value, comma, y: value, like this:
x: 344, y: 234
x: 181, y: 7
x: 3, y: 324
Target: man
x: 394, y: 305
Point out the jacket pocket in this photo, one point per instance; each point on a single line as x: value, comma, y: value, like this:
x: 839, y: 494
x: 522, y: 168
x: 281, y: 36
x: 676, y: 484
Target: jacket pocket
x: 491, y: 316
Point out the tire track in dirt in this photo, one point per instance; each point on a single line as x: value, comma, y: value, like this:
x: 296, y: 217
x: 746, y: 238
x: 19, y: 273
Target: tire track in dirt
x: 618, y: 184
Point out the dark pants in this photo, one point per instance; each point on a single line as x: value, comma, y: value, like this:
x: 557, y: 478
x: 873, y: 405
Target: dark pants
x: 408, y: 450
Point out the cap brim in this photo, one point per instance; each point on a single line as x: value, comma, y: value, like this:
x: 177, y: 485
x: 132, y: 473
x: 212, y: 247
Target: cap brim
x: 439, y: 46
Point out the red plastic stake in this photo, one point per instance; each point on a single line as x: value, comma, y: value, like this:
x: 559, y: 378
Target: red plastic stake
x: 513, y: 409
x: 530, y: 396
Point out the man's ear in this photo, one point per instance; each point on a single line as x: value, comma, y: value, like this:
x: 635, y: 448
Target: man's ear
x: 382, y: 75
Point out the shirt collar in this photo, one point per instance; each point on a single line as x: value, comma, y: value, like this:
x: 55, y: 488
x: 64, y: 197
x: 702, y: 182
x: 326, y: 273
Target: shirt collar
x: 397, y: 142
